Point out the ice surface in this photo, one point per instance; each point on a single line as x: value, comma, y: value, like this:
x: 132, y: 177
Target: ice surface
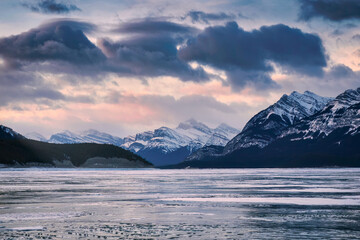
x: 179, y: 204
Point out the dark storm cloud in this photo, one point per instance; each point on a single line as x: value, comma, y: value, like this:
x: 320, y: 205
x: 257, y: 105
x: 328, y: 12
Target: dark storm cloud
x: 62, y: 47
x: 333, y: 10
x: 200, y: 16
x: 150, y: 48
x: 154, y: 26
x: 248, y: 53
x: 149, y: 56
x: 51, y: 7
x: 151, y: 51
x: 62, y: 40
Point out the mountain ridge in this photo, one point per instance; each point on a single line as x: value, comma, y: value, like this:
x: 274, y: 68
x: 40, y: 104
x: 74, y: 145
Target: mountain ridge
x: 17, y: 151
x: 158, y: 145
x: 272, y: 120
x: 329, y: 137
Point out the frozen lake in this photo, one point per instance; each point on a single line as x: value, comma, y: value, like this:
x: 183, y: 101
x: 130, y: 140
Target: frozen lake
x: 180, y: 204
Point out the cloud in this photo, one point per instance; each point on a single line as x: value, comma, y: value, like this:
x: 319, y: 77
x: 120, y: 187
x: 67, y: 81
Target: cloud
x: 62, y: 47
x: 150, y: 50
x: 341, y: 71
x: 341, y: 76
x: 62, y: 40
x: 147, y: 56
x: 153, y: 26
x: 203, y: 108
x: 357, y: 53
x: 24, y: 87
x: 85, y: 27
x: 51, y: 7
x: 200, y: 16
x: 333, y: 10
x: 356, y: 37
x: 240, y: 79
x: 246, y: 56
x: 187, y: 103
x: 336, y: 79
x: 337, y: 32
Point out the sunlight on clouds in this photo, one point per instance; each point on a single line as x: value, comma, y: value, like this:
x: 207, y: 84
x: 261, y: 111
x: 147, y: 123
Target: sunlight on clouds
x: 210, y: 70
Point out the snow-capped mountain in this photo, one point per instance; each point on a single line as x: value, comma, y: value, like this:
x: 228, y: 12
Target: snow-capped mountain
x: 161, y: 146
x: 190, y: 133
x: 163, y: 138
x: 89, y: 136
x: 166, y: 145
x: 8, y: 133
x: 101, y: 137
x: 221, y: 135
x: 65, y: 137
x: 341, y: 113
x: 328, y: 137
x: 35, y: 136
x: 269, y: 124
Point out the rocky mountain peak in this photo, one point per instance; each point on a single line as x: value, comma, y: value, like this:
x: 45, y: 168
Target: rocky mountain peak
x: 268, y: 124
x: 192, y: 123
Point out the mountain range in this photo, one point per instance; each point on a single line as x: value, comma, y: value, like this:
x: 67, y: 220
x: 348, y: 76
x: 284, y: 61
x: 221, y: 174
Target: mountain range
x: 18, y: 151
x: 162, y: 146
x: 299, y: 130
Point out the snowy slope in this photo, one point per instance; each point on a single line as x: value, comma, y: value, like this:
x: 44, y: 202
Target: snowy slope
x: 36, y: 136
x: 65, y: 137
x: 191, y: 134
x: 95, y: 136
x: 89, y: 136
x: 221, y: 135
x: 340, y: 113
x: 269, y: 124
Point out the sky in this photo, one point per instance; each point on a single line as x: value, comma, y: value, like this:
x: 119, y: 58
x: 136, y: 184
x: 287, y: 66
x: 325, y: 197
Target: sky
x: 128, y: 66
